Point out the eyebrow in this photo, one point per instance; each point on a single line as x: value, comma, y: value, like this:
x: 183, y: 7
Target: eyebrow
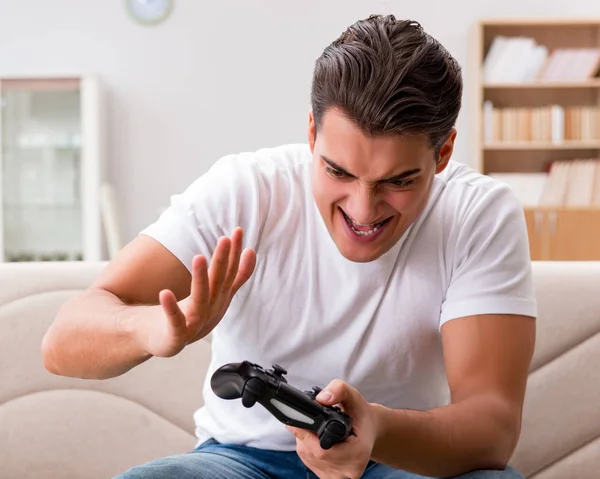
x: 398, y: 177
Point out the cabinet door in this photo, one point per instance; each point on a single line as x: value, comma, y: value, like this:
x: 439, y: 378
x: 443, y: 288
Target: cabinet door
x: 538, y: 240
x: 574, y: 234
x: 49, y: 169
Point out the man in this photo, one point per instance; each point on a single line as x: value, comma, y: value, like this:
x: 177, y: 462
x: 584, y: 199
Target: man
x: 366, y: 260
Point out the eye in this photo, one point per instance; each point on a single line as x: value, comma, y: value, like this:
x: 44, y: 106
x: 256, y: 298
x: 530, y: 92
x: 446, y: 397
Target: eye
x: 401, y: 183
x: 334, y: 173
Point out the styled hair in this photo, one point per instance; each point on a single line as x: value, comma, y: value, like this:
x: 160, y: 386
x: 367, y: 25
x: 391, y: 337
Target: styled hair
x: 389, y: 76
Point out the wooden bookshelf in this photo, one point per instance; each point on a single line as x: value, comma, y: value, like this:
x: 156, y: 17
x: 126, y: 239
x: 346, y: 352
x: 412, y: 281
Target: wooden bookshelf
x: 553, y: 34
x: 537, y: 88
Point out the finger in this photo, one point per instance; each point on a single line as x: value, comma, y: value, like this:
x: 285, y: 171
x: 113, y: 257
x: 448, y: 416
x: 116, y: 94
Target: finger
x: 309, y: 441
x: 170, y: 307
x: 303, y: 435
x: 247, y: 265
x: 200, y: 289
x: 296, y: 431
x: 337, y: 391
x: 234, y: 258
x: 218, y: 269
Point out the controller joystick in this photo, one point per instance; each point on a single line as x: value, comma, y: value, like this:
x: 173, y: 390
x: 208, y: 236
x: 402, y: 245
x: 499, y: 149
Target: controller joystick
x: 279, y: 371
x: 289, y: 405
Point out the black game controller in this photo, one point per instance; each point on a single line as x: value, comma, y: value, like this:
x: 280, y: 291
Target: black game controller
x: 289, y: 405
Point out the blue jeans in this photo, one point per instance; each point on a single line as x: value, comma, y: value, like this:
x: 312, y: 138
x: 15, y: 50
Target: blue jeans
x: 212, y: 460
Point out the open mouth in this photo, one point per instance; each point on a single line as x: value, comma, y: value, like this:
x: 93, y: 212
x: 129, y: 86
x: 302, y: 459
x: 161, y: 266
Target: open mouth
x: 364, y: 230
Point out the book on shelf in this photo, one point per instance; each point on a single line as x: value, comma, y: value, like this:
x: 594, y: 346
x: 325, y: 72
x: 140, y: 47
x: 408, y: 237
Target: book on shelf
x: 521, y: 59
x: 567, y: 184
x: 551, y: 123
x: 527, y: 187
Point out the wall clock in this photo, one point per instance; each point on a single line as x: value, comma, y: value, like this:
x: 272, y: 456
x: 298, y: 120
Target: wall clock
x: 149, y: 12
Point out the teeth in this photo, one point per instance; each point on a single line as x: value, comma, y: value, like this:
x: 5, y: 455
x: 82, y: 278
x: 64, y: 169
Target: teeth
x: 353, y: 223
x: 364, y: 233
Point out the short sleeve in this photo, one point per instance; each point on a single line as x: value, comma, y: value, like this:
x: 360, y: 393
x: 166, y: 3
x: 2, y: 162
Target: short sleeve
x: 491, y: 270
x: 226, y: 196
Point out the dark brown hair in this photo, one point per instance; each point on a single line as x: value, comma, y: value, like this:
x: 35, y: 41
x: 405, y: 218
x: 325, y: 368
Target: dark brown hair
x: 389, y: 77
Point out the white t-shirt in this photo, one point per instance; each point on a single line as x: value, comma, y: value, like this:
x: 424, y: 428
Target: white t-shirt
x: 374, y: 325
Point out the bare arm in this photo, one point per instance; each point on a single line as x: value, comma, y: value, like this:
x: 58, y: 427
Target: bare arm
x: 145, y: 303
x: 487, y: 361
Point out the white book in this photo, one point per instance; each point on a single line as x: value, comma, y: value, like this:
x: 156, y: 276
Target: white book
x: 553, y: 67
x: 557, y: 118
x: 528, y: 187
x: 525, y: 48
x: 488, y: 122
x: 537, y: 58
x: 503, y: 65
x: 498, y: 44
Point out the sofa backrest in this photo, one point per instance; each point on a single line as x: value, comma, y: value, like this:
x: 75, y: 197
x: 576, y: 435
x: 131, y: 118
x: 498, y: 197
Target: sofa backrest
x: 63, y: 427
x: 561, y: 423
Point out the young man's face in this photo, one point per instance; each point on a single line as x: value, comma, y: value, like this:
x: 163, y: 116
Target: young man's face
x: 370, y: 190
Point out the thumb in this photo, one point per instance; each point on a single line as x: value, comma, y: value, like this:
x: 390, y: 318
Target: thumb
x: 337, y: 391
x: 168, y: 301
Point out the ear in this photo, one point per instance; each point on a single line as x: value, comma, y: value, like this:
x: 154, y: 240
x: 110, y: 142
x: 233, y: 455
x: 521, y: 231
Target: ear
x: 446, y: 152
x: 311, y: 131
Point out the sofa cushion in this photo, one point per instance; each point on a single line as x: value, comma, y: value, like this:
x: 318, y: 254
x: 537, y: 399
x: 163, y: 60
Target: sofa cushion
x: 64, y: 427
x: 82, y: 433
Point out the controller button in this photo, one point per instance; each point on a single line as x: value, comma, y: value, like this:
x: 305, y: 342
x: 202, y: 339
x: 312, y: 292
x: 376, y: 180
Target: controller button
x: 313, y: 393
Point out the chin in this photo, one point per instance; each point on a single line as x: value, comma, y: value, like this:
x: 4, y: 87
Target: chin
x: 351, y: 254
x: 360, y: 253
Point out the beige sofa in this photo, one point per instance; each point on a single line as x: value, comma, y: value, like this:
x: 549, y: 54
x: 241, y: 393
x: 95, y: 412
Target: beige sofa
x: 53, y: 427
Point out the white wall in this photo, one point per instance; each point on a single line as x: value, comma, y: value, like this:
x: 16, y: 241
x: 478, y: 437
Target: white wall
x: 219, y: 76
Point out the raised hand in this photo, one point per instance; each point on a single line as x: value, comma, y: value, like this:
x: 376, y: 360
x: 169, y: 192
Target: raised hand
x: 212, y: 289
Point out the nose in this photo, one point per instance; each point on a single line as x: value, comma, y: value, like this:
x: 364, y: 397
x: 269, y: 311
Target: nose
x: 363, y: 205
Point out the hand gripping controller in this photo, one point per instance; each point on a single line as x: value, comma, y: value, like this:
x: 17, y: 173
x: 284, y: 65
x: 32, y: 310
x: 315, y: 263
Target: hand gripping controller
x: 289, y: 405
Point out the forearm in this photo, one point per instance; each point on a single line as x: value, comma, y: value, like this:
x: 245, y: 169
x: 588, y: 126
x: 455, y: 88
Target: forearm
x: 477, y: 433
x: 93, y: 337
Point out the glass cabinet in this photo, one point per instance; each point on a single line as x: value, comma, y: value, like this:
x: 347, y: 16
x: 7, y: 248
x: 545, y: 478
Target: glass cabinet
x: 50, y: 169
